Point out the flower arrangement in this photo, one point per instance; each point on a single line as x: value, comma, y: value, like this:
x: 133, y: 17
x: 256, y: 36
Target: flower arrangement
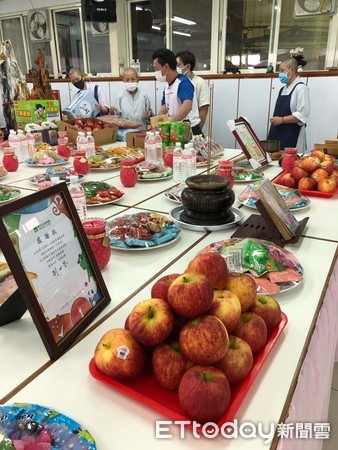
x: 298, y: 54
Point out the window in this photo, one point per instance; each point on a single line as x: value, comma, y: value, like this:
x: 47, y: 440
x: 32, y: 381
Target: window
x: 97, y: 34
x: 12, y: 30
x: 69, y: 41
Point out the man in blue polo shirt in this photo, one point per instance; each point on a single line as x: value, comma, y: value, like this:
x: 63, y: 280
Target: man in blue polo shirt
x: 178, y: 100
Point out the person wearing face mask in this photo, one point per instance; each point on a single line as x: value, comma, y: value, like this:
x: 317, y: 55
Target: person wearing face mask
x: 78, y: 81
x: 178, y: 100
x: 292, y: 108
x: 186, y: 61
x: 131, y: 102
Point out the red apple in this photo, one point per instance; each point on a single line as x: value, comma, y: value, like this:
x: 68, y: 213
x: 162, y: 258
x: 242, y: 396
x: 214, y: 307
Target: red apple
x: 238, y: 361
x: 190, y: 295
x: 309, y: 163
x: 204, y: 340
x: 287, y: 180
x: 296, y: 163
x: 308, y: 184
x: 169, y: 364
x: 98, y: 122
x: 244, y: 286
x: 328, y: 166
x: 118, y: 355
x: 78, y: 122
x: 151, y: 321
x: 297, y: 173
x: 89, y: 123
x: 213, y: 266
x: 330, y: 158
x: 87, y: 128
x: 318, y: 154
x: 204, y: 393
x: 97, y: 127
x: 106, y: 125
x: 327, y: 185
x: 269, y: 310
x: 227, y: 308
x: 126, y: 323
x: 161, y: 286
x: 78, y: 127
x: 252, y: 329
x: 319, y: 174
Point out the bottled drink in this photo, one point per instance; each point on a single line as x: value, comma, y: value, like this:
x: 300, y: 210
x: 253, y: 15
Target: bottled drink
x: 138, y: 66
x: 23, y: 145
x: 30, y: 144
x: 81, y: 141
x: 15, y: 144
x: 78, y: 195
x: 132, y: 64
x: 150, y: 148
x: 159, y: 152
x: 90, y: 144
x: 177, y: 163
x: 188, y: 163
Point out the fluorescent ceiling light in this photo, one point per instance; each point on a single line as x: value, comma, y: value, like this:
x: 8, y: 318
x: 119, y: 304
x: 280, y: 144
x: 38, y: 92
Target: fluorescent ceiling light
x: 181, y: 20
x: 182, y: 34
x: 138, y: 8
x: 154, y: 27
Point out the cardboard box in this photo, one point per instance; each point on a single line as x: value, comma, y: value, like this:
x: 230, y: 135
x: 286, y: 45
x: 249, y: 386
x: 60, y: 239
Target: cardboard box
x: 83, y: 105
x: 101, y: 137
x: 156, y: 120
x: 35, y: 111
x: 330, y: 149
x: 135, y: 138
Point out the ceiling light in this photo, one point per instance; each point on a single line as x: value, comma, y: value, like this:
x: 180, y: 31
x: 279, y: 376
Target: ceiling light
x: 138, y: 8
x: 181, y: 20
x: 182, y: 34
x: 154, y: 27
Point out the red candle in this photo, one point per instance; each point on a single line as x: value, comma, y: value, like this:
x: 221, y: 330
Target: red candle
x: 95, y: 230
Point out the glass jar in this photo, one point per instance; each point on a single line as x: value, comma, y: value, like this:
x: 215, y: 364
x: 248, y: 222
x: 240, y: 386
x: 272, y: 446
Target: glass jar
x: 225, y: 170
x: 290, y: 156
x: 63, y: 149
x: 128, y: 173
x: 95, y: 230
x: 81, y: 164
x: 10, y: 160
x: 169, y: 156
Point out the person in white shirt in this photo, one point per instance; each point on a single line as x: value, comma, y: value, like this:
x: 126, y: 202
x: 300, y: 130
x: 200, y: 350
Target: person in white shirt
x: 79, y: 82
x: 292, y: 108
x: 131, y: 102
x: 186, y: 62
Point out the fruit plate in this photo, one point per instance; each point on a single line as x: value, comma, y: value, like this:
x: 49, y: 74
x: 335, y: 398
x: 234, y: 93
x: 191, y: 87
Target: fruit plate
x: 145, y: 389
x: 253, y: 256
x: 23, y: 419
x: 8, y: 194
x: 99, y: 193
x: 142, y: 231
x: 292, y: 197
x: 307, y: 192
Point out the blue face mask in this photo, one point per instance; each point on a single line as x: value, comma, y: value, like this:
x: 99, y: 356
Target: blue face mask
x: 283, y: 77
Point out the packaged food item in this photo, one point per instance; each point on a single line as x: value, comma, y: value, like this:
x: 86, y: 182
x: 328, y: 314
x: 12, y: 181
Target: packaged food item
x: 180, y: 131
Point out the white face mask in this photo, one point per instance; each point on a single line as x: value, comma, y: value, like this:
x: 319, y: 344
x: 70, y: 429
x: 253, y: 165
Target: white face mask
x: 159, y: 76
x: 131, y: 86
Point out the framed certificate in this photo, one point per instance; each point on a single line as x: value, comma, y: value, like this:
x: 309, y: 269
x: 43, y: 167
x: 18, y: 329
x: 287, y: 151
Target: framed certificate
x: 47, y: 250
x: 249, y: 142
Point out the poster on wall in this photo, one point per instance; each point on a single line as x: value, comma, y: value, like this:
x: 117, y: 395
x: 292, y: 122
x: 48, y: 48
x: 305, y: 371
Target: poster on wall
x: 49, y: 255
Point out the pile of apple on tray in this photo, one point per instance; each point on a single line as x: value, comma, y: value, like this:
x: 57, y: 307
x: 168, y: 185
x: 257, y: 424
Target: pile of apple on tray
x: 315, y: 174
x: 193, y: 349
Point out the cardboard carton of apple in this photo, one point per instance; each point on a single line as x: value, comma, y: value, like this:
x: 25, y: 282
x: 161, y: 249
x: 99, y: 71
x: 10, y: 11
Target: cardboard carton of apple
x: 238, y: 361
x: 213, y: 266
x: 118, y: 355
x: 268, y: 308
x: 204, y: 340
x: 204, y: 393
x: 227, y: 308
x: 244, y: 287
x: 252, y: 329
x: 190, y: 295
x: 169, y: 364
x: 161, y: 286
x: 151, y: 321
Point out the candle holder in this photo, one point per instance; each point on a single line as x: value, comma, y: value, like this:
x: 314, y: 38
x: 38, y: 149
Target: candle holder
x: 95, y: 229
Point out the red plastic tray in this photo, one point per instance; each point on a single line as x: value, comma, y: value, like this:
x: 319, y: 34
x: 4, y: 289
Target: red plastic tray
x: 309, y: 193
x: 145, y: 389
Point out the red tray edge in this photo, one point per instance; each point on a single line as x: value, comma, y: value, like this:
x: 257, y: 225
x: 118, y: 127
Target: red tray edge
x: 306, y: 192
x: 242, y: 387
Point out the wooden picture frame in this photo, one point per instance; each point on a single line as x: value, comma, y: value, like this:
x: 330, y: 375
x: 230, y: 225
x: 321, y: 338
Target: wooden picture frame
x: 47, y: 250
x: 249, y: 142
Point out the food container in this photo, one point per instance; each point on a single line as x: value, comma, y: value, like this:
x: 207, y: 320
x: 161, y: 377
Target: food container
x: 95, y: 230
x: 225, y: 170
x: 10, y: 160
x: 128, y: 173
x: 81, y: 164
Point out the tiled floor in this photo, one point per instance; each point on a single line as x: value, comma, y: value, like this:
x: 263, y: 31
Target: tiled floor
x: 332, y: 443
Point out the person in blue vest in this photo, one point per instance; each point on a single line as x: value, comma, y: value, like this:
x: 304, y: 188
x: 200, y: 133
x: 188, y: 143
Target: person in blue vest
x: 76, y: 78
x: 292, y: 108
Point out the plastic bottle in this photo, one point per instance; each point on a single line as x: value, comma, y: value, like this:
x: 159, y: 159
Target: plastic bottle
x: 138, y: 66
x: 90, y: 144
x: 23, y: 145
x: 132, y: 64
x: 30, y: 144
x: 159, y: 151
x: 78, y: 195
x: 81, y: 141
x: 151, y: 148
x: 177, y: 163
x: 188, y: 163
x: 15, y: 144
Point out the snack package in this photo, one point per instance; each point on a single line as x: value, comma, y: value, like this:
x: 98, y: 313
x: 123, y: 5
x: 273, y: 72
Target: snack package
x: 180, y: 132
x: 164, y: 129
